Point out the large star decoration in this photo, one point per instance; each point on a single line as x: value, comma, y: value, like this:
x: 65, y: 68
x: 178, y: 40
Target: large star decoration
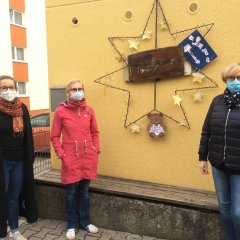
x: 134, y: 42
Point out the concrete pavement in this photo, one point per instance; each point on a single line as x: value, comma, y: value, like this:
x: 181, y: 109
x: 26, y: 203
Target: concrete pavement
x: 55, y: 229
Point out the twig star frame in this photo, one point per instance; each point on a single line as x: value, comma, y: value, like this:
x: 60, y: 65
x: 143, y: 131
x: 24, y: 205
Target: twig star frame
x: 134, y: 45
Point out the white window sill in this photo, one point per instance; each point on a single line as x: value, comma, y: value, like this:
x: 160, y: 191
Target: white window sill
x: 15, y: 24
x: 23, y: 95
x: 19, y: 61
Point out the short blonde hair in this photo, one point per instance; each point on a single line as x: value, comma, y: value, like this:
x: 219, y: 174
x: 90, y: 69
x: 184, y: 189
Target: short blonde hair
x: 232, y: 70
x: 72, y: 82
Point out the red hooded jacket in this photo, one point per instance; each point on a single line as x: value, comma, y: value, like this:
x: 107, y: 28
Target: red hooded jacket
x: 79, y: 146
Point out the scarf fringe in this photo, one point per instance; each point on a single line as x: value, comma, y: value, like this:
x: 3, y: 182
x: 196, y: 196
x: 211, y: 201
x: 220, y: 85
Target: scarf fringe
x: 18, y: 134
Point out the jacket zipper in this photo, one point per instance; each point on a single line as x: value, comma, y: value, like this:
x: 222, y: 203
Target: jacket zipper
x: 225, y: 136
x: 85, y: 145
x: 79, y: 112
x: 76, y: 148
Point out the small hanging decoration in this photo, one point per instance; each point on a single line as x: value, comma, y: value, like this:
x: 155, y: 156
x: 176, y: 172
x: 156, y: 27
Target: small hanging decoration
x: 156, y: 128
x: 146, y: 35
x: 197, y: 97
x: 197, y: 51
x: 177, y: 100
x: 135, y: 128
x: 133, y: 44
x: 163, y: 25
x: 192, y: 47
x: 198, y: 77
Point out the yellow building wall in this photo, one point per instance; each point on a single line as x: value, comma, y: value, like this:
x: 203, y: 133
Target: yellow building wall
x: 84, y: 52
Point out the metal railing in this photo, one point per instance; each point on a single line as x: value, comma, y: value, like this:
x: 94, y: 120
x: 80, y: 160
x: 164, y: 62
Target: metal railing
x: 41, y: 138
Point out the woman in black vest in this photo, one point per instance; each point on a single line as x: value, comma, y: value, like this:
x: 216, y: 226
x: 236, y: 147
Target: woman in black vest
x: 17, y: 196
x: 220, y: 144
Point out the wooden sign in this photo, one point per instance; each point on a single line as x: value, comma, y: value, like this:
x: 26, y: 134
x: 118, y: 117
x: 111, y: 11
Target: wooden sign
x: 156, y: 64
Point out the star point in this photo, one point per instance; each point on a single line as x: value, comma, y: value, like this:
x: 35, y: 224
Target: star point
x: 135, y: 128
x: 133, y: 44
x: 198, y: 77
x: 177, y: 100
x: 163, y: 25
x: 197, y: 97
x: 146, y: 35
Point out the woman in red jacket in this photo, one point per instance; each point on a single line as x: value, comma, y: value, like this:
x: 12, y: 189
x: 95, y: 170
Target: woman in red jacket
x: 78, y: 150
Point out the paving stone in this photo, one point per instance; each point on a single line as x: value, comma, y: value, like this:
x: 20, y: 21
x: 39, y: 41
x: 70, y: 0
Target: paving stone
x: 27, y: 233
x: 91, y: 238
x: 60, y: 227
x: 42, y: 232
x: 133, y: 237
x: 148, y: 238
x: 26, y: 226
x: 107, y: 234
x: 120, y: 236
x: 93, y: 234
x: 62, y: 237
x: 54, y: 223
x: 50, y: 237
x: 81, y: 234
x: 46, y: 229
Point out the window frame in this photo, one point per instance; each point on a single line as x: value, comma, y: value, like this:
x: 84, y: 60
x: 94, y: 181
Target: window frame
x: 25, y: 86
x: 14, y: 54
x: 13, y: 17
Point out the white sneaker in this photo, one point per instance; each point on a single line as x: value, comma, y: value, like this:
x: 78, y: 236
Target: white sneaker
x: 16, y: 236
x: 70, y: 234
x: 92, y: 229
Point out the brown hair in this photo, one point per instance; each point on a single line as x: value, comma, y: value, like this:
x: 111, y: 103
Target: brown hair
x: 4, y: 77
x: 232, y: 70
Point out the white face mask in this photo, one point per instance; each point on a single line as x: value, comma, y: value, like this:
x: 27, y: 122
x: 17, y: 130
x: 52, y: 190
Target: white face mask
x: 77, y: 96
x: 9, y: 95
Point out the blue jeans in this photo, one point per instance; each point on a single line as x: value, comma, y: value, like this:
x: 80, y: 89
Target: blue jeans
x: 228, y: 192
x: 77, y: 204
x: 13, y: 175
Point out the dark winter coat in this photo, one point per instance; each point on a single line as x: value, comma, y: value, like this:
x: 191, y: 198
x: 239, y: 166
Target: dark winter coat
x: 220, y: 141
x: 28, y: 206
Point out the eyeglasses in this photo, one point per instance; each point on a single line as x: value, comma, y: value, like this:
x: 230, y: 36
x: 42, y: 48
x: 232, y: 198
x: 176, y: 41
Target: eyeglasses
x: 76, y: 89
x: 5, y: 88
x: 231, y: 79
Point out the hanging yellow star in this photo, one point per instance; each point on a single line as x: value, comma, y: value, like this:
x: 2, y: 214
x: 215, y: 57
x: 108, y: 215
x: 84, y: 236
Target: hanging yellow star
x: 177, y: 100
x: 197, y: 97
x: 120, y: 58
x: 147, y: 35
x: 163, y: 25
x: 198, y: 77
x: 136, y: 128
x: 108, y: 81
x: 133, y: 44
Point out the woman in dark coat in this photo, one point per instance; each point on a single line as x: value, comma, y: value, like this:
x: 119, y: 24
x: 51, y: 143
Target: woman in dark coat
x: 17, y: 194
x: 220, y: 144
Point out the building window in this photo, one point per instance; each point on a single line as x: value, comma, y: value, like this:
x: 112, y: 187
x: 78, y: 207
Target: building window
x: 21, y: 88
x: 16, y: 17
x: 18, y: 54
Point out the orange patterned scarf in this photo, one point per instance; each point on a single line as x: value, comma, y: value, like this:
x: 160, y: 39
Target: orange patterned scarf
x: 14, y: 109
